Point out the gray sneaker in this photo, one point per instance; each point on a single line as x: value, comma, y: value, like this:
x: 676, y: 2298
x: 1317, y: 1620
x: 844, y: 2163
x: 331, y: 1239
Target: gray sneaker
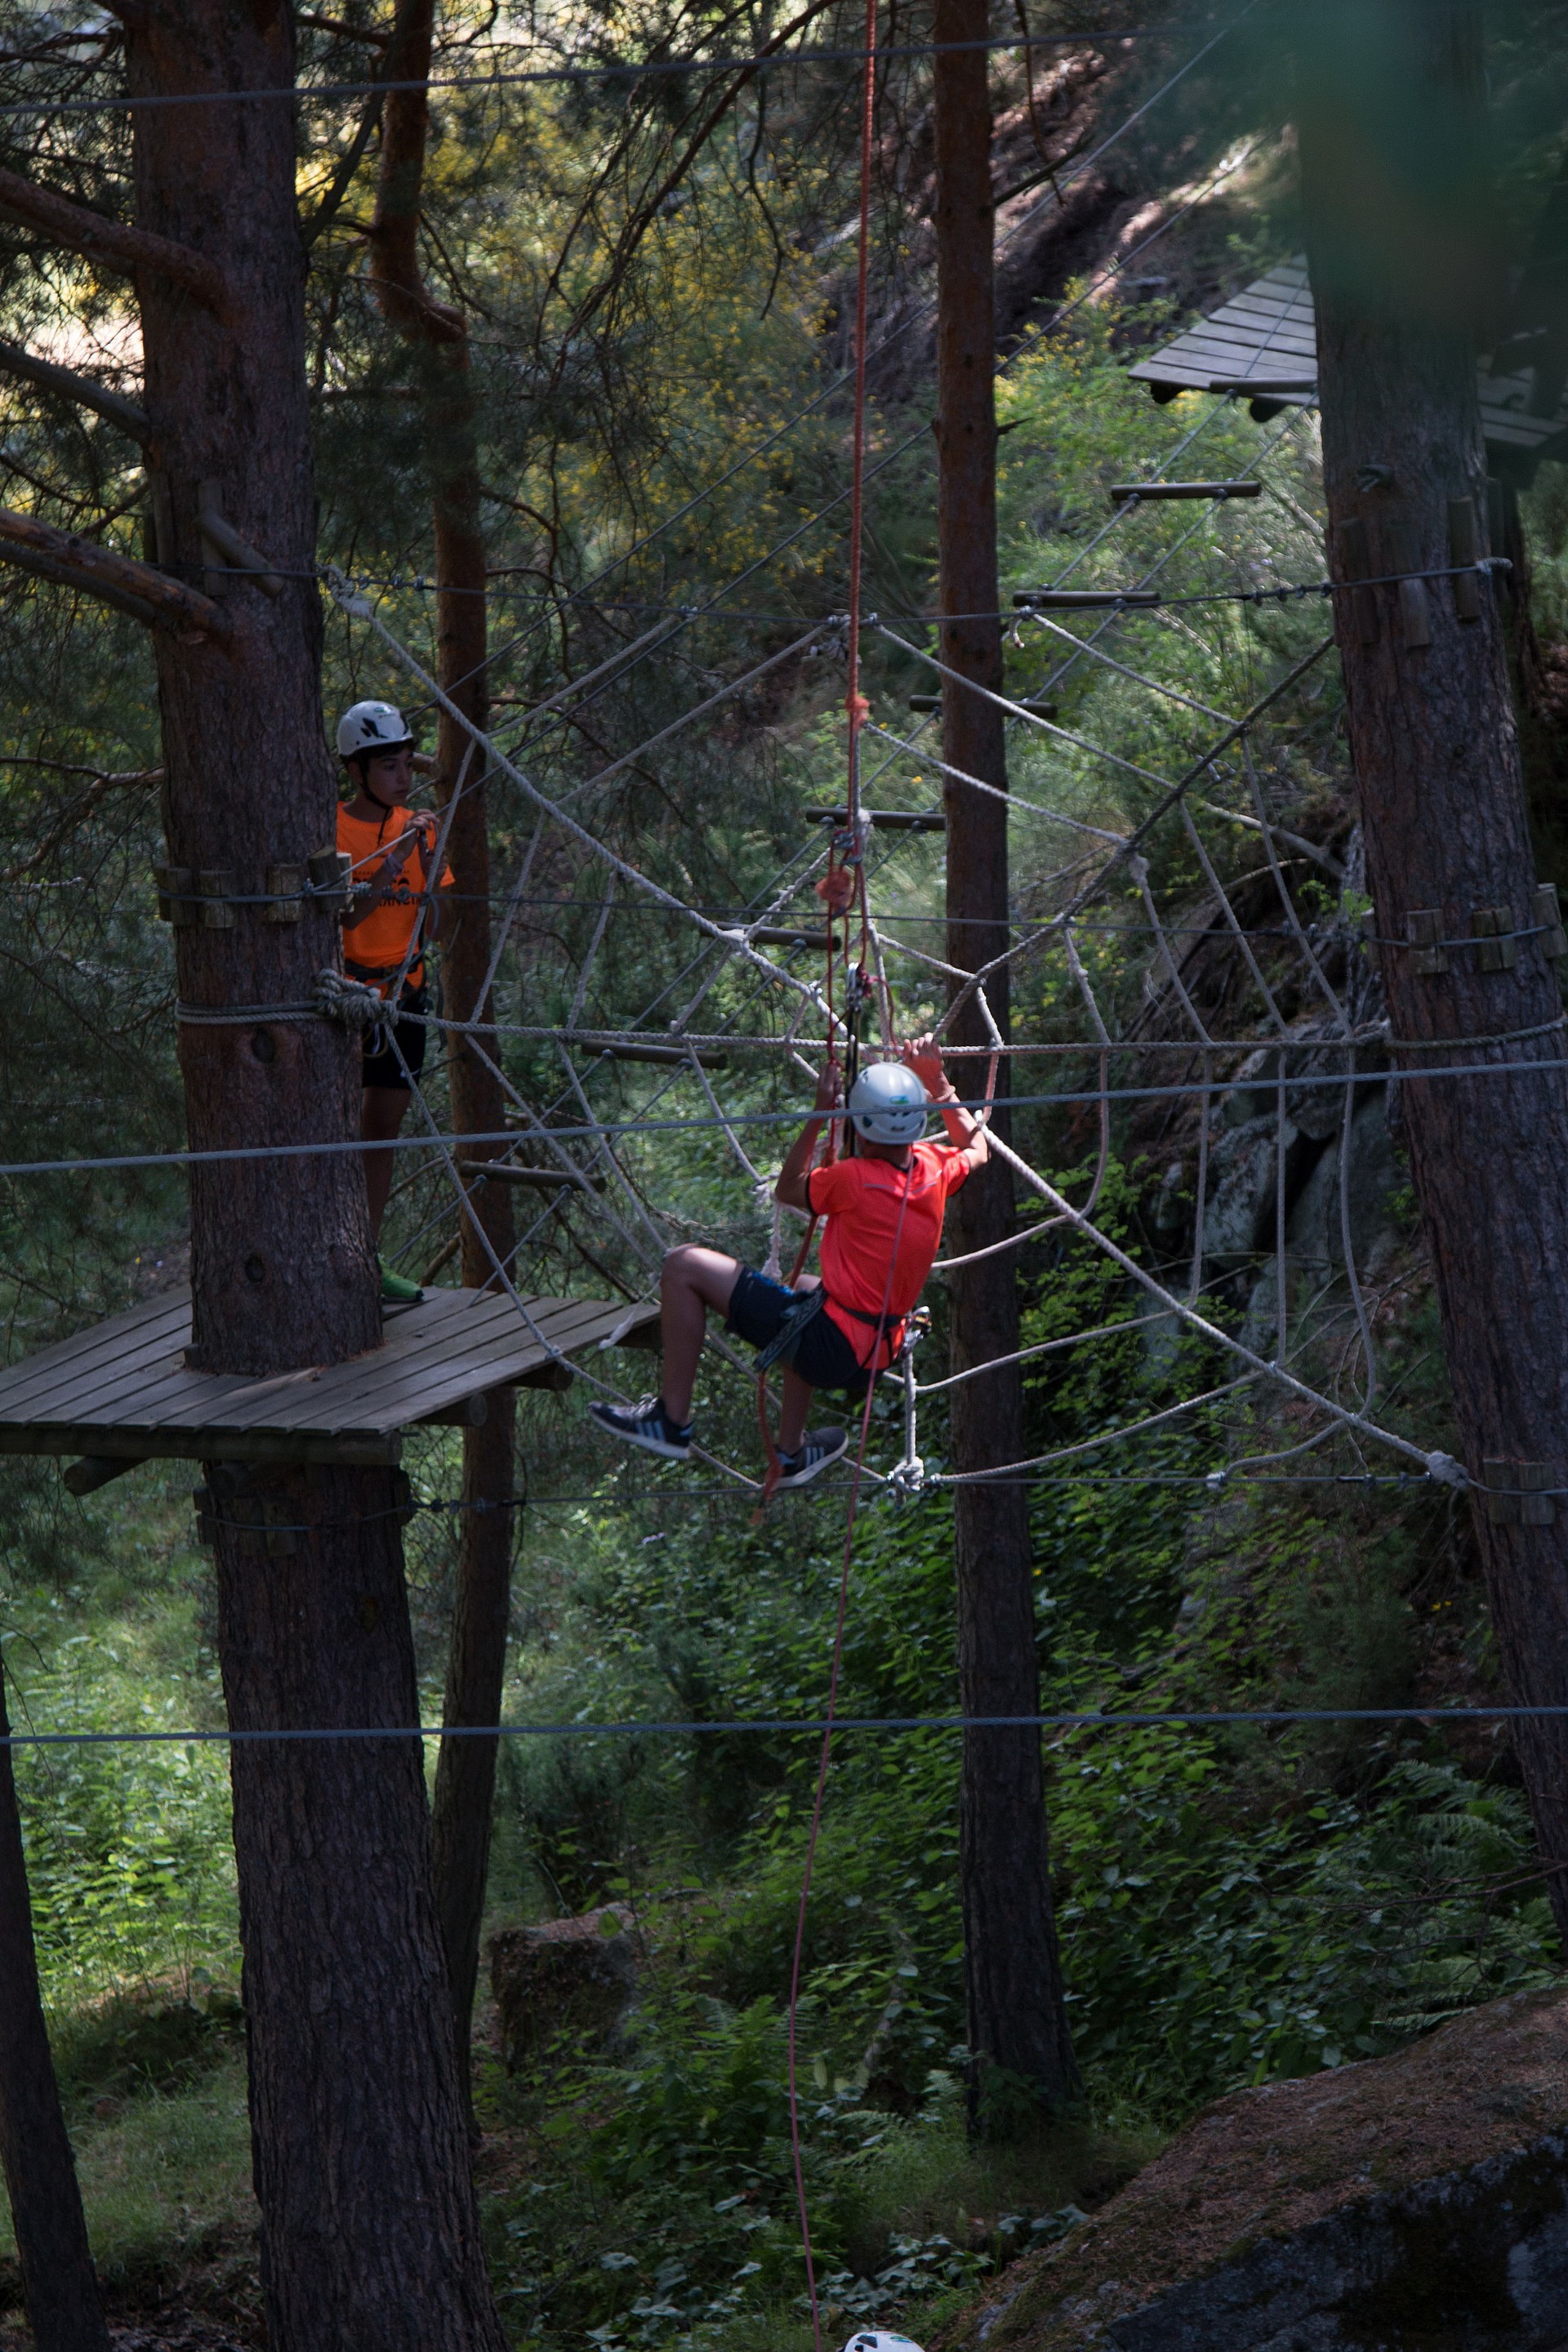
x: 644, y: 1424
x: 818, y: 1449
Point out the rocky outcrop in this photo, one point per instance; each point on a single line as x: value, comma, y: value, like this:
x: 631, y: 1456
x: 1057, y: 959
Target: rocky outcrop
x: 1416, y: 2203
x: 567, y: 1983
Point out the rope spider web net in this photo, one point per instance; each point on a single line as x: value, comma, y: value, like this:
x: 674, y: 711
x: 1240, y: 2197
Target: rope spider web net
x: 1263, y: 1025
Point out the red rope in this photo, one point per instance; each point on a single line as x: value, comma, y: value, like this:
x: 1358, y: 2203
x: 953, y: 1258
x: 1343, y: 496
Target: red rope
x: 853, y: 703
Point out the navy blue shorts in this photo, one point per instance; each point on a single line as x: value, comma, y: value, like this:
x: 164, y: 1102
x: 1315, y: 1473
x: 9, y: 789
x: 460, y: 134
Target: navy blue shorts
x: 823, y: 1356
x: 381, y: 1066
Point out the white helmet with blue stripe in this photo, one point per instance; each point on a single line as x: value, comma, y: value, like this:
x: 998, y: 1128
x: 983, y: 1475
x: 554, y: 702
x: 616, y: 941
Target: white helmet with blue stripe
x: 888, y: 1105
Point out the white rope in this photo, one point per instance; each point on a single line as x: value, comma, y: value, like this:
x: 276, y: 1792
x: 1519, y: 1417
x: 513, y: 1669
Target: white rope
x: 359, y: 608
x: 1091, y: 1445
x: 1199, y: 1323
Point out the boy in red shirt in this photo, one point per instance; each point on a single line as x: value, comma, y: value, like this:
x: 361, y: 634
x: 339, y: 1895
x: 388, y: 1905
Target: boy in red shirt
x: 394, y: 915
x: 883, y: 1210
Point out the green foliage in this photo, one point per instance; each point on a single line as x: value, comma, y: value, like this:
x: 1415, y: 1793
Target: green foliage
x: 129, y: 1860
x: 1236, y: 1903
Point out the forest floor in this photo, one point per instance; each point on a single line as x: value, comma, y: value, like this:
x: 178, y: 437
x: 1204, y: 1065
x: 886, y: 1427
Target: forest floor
x: 1235, y: 1908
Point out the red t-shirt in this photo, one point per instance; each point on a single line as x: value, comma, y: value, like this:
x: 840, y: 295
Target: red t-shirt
x: 862, y: 1201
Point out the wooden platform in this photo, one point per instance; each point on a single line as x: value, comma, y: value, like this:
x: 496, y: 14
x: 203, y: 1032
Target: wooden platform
x: 122, y: 1392
x: 1264, y: 342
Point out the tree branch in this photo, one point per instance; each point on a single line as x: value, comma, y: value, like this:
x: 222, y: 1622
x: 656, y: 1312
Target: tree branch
x: 131, y: 587
x: 85, y: 807
x: 395, y: 275
x: 124, y: 413
x: 348, y: 164
x: 110, y: 243
x: 344, y: 32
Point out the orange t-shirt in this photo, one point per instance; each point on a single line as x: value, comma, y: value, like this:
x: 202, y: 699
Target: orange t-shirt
x: 380, y: 943
x: 862, y: 1201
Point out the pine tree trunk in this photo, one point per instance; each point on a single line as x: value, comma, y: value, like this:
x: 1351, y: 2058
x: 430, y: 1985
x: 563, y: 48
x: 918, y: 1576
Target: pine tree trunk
x: 1013, y: 1981
x: 1392, y: 106
x: 370, y: 2235
x: 476, y: 1664
x: 59, y: 2285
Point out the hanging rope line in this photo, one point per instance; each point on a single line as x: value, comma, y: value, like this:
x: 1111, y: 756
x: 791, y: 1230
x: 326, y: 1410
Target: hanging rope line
x: 616, y: 70
x: 1066, y: 1719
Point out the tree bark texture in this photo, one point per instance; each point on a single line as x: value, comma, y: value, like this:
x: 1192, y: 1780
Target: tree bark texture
x: 283, y: 1273
x: 476, y: 1665
x: 1395, y: 88
x: 59, y: 2284
x: 1013, y: 1979
x: 370, y: 2235
x: 371, y: 2239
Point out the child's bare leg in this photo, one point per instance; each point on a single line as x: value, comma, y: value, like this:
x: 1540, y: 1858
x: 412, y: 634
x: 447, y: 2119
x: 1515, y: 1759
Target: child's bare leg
x: 383, y: 1110
x: 797, y: 1396
x: 692, y: 1281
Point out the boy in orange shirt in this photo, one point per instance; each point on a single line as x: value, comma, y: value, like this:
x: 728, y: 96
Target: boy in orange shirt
x: 394, y: 915
x: 884, y: 1211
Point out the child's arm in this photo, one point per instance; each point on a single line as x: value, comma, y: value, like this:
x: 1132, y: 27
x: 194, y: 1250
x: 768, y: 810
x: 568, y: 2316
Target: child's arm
x: 923, y: 1057
x: 390, y: 885
x: 790, y: 1188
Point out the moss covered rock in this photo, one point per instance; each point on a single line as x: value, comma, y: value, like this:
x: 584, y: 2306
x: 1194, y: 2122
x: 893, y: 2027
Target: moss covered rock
x: 1417, y: 2202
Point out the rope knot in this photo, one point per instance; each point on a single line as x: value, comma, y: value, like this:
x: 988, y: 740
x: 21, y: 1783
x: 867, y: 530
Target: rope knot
x: 1446, y: 1470
x: 348, y: 1000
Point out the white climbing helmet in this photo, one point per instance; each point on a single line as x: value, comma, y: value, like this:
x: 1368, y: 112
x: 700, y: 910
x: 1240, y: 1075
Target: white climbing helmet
x: 879, y: 2339
x: 888, y: 1105
x: 372, y: 726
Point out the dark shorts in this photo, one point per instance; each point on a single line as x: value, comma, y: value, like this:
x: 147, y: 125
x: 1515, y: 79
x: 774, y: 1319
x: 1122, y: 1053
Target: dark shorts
x: 824, y: 1357
x: 380, y: 1065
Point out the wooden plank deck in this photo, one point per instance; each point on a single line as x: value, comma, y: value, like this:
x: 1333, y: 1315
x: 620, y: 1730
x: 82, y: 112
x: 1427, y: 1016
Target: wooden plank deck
x: 124, y: 1390
x: 1267, y: 334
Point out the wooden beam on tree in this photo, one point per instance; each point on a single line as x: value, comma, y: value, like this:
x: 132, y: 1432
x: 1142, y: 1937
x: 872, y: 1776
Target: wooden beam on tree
x: 146, y: 594
x: 80, y: 389
x: 59, y: 2288
x: 127, y: 251
x: 1392, y: 119
x: 1017, y: 2018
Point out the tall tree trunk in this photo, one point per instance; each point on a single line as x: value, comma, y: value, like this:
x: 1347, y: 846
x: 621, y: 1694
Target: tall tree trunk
x: 476, y: 1665
x: 1013, y: 1979
x: 370, y: 2231
x: 59, y: 2285
x: 1390, y: 111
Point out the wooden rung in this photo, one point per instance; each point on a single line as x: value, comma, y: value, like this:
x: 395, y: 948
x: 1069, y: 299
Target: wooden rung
x: 1126, y: 493
x: 1082, y: 600
x: 886, y: 820
x: 538, y: 1180
x: 1268, y: 384
x: 1037, y: 709
x: 777, y: 935
x: 667, y: 1055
